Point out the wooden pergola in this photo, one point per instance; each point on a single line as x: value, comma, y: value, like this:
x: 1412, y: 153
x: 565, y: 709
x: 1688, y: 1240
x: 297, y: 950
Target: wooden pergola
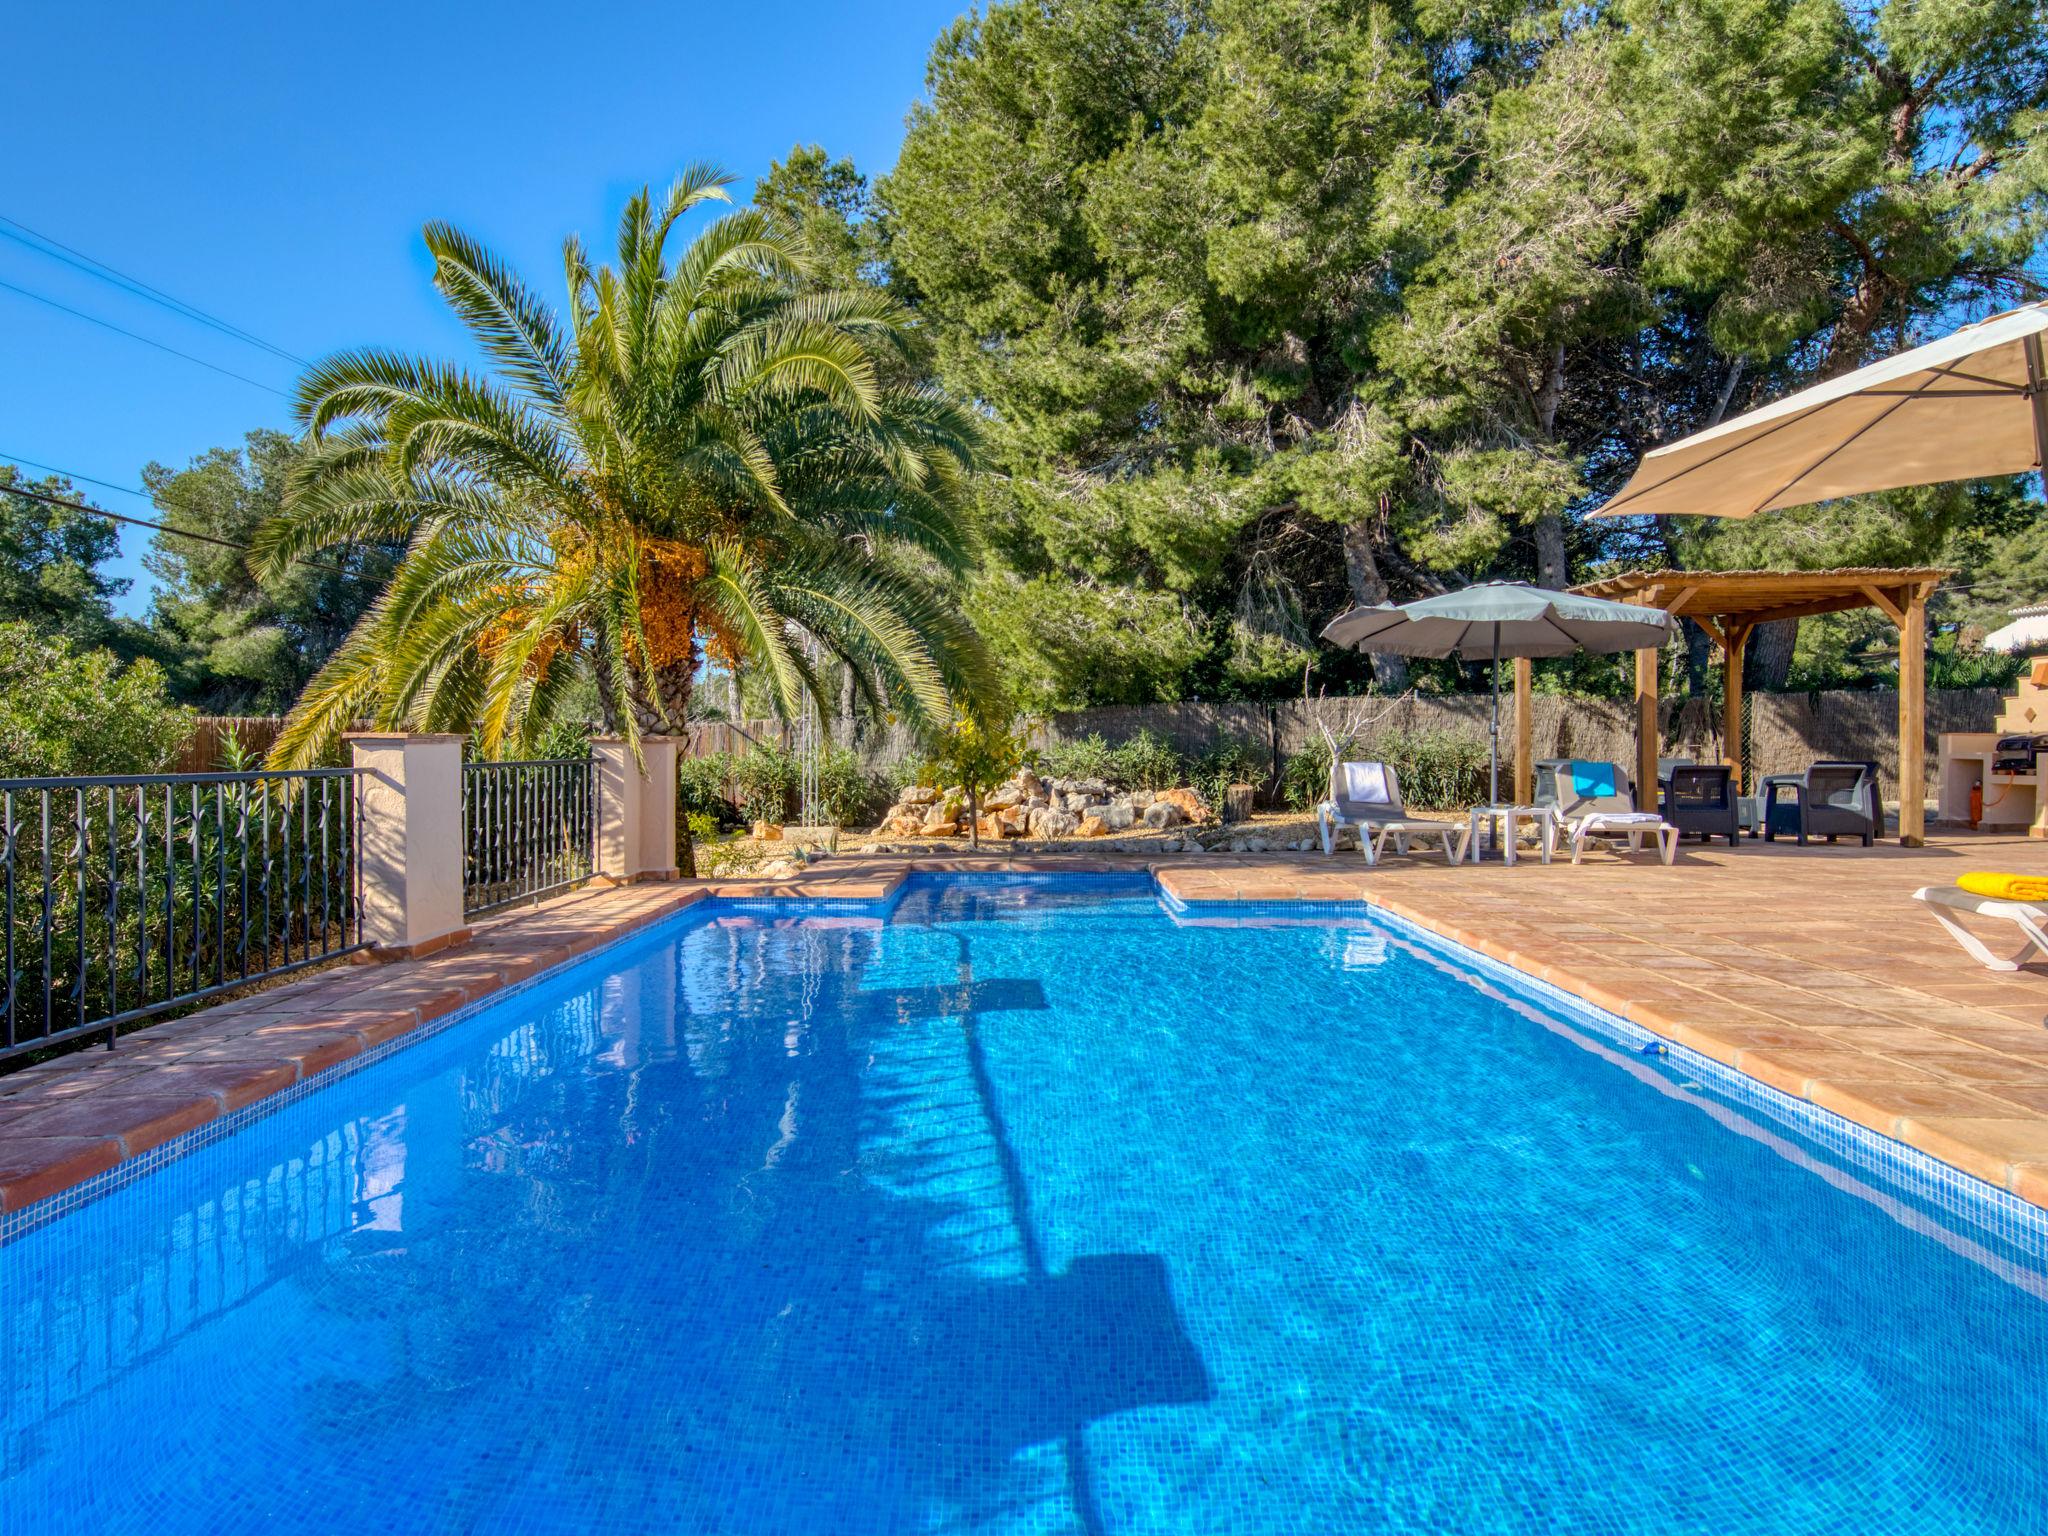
x: 1729, y: 605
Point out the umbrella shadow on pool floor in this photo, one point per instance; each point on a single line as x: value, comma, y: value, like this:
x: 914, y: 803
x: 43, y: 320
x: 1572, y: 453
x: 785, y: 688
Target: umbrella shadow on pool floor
x: 806, y: 1288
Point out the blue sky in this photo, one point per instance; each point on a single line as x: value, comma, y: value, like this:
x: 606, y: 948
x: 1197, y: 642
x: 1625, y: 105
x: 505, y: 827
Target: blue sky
x: 273, y: 164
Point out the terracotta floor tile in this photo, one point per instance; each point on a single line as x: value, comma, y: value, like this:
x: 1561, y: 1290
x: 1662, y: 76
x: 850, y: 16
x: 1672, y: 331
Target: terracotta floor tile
x: 34, y: 1168
x: 1791, y: 1070
x: 1986, y: 1146
x: 1984, y: 1067
x: 1881, y: 1103
x: 141, y: 1122
x: 234, y: 1083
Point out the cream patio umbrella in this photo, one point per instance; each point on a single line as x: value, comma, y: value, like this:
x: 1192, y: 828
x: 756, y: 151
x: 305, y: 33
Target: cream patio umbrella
x: 1974, y: 403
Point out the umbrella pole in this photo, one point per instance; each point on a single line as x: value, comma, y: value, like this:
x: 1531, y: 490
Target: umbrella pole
x: 1493, y: 733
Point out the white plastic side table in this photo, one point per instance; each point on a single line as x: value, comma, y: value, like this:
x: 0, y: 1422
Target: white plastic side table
x: 1508, y: 819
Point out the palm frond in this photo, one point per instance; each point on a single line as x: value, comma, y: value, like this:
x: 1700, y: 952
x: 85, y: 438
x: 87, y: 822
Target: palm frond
x: 745, y: 601
x: 512, y: 326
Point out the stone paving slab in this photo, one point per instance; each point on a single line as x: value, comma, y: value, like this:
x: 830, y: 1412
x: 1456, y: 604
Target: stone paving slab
x: 1810, y: 970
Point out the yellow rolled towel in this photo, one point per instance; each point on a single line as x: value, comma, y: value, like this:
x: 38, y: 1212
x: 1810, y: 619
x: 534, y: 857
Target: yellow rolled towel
x: 1998, y: 887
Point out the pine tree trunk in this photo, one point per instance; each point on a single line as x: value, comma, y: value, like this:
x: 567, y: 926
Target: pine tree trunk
x: 1362, y: 573
x: 1551, y: 568
x: 1768, y: 659
x: 1550, y: 557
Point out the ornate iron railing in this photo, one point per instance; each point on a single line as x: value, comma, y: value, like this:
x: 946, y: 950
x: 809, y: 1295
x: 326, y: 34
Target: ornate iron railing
x: 122, y: 897
x: 528, y: 829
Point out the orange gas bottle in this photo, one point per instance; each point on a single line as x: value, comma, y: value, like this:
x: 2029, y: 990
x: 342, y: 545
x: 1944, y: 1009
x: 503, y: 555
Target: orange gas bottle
x: 1976, y: 805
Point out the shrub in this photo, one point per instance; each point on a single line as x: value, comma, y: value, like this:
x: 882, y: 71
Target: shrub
x: 1439, y: 769
x: 1147, y: 761
x: 67, y: 711
x: 562, y: 739
x: 1086, y: 757
x: 703, y: 788
x: 1234, y: 760
x: 850, y: 795
x: 977, y: 756
x: 766, y: 780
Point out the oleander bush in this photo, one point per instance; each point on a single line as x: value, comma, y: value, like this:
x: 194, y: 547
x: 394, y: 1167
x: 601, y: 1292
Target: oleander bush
x: 765, y: 782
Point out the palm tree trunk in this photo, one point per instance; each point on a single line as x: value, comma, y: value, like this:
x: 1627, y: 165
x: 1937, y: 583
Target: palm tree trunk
x: 672, y: 687
x: 604, y: 674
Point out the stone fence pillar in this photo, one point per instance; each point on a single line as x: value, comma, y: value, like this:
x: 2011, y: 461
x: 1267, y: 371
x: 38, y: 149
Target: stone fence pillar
x: 636, y: 809
x: 411, y: 809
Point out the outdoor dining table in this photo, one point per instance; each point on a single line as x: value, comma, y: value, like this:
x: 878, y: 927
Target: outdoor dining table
x: 1504, y: 824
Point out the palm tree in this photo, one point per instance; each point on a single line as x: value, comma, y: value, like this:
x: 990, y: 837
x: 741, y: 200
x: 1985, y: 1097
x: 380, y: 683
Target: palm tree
x: 713, y: 458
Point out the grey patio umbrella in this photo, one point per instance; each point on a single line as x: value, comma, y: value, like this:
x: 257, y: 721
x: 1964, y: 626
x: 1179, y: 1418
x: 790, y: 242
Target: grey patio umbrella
x: 1495, y: 619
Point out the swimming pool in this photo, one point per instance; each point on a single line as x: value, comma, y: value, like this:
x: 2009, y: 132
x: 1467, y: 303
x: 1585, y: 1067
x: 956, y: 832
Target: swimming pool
x: 1030, y: 1206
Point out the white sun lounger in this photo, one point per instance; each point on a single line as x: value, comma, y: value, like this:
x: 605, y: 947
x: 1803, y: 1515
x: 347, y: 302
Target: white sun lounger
x: 1367, y: 797
x: 1941, y: 900
x: 1590, y: 818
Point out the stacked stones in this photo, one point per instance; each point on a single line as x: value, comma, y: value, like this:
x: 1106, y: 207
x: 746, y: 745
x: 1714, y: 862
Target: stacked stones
x: 1029, y: 806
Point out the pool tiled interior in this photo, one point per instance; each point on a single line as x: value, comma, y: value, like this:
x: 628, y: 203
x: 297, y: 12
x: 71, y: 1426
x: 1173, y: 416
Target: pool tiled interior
x: 1809, y: 970
x: 992, y: 1210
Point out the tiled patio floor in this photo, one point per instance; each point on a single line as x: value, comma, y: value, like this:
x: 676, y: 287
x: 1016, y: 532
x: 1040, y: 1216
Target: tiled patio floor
x: 1811, y: 970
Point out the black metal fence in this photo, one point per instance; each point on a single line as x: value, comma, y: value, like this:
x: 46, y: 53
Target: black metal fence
x: 528, y: 828
x: 129, y: 895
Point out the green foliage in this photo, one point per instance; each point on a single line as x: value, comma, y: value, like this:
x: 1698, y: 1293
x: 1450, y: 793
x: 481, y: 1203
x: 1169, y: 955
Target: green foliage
x: 1084, y: 757
x: 1950, y: 664
x: 563, y: 739
x: 766, y: 780
x: 1439, y: 768
x: 1233, y: 760
x: 1146, y: 761
x: 50, y: 559
x: 236, y: 755
x: 976, y: 755
x: 237, y: 643
x: 704, y: 828
x: 703, y: 786
x: 851, y: 796
x: 70, y: 711
x: 1278, y: 307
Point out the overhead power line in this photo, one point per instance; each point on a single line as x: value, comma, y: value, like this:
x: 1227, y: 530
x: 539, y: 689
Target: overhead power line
x: 92, y: 266
x: 146, y: 341
x: 143, y: 522
x: 72, y: 474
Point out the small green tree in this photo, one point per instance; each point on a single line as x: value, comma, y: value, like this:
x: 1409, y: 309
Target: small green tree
x: 977, y: 754
x: 69, y: 711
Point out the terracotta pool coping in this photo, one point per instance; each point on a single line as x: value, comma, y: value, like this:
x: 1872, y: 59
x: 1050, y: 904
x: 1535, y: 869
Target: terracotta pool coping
x: 1907, y: 1038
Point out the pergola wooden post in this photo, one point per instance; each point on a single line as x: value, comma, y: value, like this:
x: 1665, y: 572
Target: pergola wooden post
x: 1734, y: 646
x: 1729, y: 605
x: 1648, y: 733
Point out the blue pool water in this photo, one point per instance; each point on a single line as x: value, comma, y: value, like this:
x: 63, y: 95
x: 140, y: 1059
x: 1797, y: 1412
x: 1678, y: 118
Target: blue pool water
x: 1028, y: 1208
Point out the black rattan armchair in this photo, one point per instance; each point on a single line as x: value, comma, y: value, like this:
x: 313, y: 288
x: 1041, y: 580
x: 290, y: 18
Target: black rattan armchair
x: 1700, y: 800
x: 1828, y: 800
